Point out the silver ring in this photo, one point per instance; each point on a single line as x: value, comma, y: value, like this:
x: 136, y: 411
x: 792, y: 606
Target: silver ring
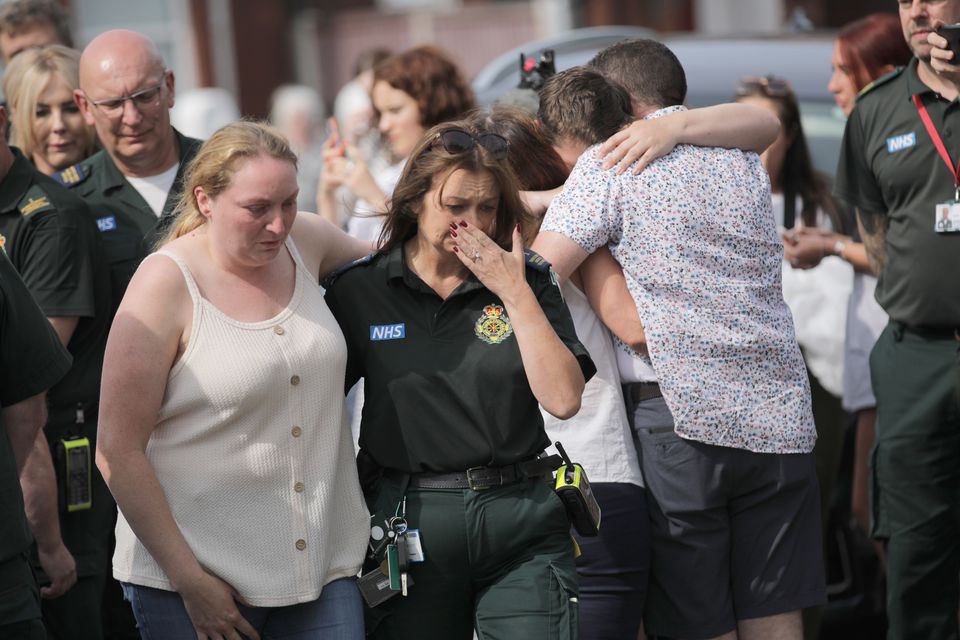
x: 476, y: 256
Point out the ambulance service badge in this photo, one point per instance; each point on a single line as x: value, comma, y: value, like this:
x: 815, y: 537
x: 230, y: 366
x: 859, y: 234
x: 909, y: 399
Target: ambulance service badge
x: 493, y: 327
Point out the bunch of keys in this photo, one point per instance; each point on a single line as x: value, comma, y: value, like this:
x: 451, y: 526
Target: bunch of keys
x: 397, y: 562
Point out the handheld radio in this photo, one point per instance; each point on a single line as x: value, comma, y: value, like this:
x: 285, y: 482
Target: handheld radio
x: 574, y: 490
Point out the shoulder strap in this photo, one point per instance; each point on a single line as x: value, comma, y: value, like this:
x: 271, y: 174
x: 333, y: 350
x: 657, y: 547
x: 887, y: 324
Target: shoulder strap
x: 72, y: 175
x: 185, y: 270
x: 879, y: 82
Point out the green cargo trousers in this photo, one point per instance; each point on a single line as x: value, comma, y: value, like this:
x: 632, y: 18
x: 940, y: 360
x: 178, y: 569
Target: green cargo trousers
x: 500, y: 560
x: 916, y: 474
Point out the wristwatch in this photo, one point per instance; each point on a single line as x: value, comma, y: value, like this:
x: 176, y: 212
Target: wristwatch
x: 838, y: 247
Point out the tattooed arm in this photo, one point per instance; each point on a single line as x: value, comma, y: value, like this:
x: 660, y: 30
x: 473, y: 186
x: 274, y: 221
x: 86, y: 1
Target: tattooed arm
x: 873, y: 230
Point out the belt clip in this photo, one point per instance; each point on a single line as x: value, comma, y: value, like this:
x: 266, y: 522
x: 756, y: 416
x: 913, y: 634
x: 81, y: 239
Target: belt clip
x: 481, y: 486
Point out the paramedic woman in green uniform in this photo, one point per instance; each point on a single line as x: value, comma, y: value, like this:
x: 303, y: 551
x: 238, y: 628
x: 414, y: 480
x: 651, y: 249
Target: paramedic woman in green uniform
x: 459, y: 335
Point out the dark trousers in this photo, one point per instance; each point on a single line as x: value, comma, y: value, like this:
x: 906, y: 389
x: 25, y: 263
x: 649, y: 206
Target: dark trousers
x: 916, y: 473
x: 19, y: 600
x: 500, y: 559
x: 614, y: 567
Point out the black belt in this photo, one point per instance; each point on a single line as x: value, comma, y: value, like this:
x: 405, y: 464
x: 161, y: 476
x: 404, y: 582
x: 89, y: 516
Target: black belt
x: 931, y: 332
x: 480, y: 478
x: 640, y: 391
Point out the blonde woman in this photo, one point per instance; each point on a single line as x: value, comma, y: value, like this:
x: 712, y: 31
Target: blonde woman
x: 45, y: 123
x: 222, y: 432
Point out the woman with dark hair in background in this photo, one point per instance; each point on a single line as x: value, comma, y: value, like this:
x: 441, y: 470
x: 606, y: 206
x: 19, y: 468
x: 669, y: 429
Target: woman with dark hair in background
x: 865, y: 50
x: 459, y: 337
x: 817, y: 299
x: 412, y: 91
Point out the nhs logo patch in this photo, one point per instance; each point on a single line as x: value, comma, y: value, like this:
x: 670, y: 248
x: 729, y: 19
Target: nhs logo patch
x: 108, y: 223
x: 388, y: 331
x: 901, y: 142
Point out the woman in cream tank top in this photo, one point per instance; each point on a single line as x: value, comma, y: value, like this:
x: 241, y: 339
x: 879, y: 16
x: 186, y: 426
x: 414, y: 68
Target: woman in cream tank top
x: 222, y: 433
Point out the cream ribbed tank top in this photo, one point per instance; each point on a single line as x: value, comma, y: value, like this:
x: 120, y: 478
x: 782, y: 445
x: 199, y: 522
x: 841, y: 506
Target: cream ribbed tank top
x: 254, y: 454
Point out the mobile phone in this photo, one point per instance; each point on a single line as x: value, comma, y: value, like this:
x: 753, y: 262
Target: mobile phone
x: 951, y: 32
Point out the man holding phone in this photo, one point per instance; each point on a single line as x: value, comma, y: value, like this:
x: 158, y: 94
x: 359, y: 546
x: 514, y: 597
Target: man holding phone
x: 898, y: 167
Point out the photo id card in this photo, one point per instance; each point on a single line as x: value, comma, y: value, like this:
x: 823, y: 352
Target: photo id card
x: 414, y: 547
x: 947, y: 217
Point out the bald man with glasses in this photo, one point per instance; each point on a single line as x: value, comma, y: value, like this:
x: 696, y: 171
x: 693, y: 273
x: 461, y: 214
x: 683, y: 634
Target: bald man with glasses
x: 133, y: 184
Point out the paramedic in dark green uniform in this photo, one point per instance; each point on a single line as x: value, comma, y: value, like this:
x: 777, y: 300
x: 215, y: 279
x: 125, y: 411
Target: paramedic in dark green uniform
x: 457, y: 340
x: 132, y: 185
x: 50, y: 237
x: 892, y: 171
x: 31, y: 361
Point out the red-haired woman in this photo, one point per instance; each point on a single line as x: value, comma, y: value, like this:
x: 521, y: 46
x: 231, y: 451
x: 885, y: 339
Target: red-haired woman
x: 412, y: 91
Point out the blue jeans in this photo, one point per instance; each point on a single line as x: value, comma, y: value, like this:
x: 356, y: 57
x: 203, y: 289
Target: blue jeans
x: 336, y: 615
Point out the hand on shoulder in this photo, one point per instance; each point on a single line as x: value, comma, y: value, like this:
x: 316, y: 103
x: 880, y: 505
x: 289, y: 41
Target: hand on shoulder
x: 323, y: 246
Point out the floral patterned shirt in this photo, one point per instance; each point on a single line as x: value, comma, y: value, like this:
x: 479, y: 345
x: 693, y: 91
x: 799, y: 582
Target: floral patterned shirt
x: 695, y: 235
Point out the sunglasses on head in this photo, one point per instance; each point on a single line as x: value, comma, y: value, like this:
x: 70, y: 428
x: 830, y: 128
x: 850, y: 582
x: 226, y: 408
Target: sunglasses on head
x: 459, y: 141
x: 770, y: 85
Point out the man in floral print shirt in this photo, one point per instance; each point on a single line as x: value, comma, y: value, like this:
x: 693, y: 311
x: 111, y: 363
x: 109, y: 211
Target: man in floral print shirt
x: 731, y: 478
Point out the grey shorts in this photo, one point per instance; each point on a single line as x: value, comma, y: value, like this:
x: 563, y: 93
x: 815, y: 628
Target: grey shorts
x: 736, y: 534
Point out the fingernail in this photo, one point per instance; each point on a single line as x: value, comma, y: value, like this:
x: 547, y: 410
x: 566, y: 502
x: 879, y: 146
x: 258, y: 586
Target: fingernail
x: 453, y: 233
x: 518, y: 227
x: 456, y: 249
x: 463, y: 224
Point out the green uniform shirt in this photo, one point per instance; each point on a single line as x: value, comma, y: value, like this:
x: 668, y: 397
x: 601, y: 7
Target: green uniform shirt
x: 888, y: 164
x: 31, y: 361
x: 128, y: 225
x: 444, y: 386
x: 50, y: 237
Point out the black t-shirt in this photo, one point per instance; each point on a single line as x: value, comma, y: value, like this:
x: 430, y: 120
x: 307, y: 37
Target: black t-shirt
x: 31, y: 361
x: 889, y: 165
x: 444, y: 385
x: 51, y: 239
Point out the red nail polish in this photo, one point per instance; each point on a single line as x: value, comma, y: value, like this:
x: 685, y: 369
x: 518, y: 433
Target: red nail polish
x: 453, y: 233
x: 463, y: 224
x: 518, y: 227
x: 456, y: 250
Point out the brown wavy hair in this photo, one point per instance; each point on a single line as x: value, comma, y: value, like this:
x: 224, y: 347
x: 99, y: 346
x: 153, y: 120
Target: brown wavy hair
x: 532, y: 158
x: 430, y: 163
x: 431, y: 78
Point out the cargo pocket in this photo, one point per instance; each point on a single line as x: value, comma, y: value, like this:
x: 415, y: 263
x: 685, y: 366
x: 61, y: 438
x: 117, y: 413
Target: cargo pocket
x: 565, y: 617
x: 878, y: 520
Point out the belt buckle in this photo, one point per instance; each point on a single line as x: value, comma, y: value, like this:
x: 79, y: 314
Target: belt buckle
x: 481, y: 486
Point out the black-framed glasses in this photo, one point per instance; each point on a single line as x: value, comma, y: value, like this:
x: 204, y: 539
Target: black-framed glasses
x: 460, y: 141
x: 142, y: 99
x: 773, y: 86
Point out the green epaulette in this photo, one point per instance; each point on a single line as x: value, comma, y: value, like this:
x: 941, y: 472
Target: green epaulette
x: 882, y: 80
x: 339, y: 271
x: 536, y: 261
x: 73, y: 175
x: 34, y: 201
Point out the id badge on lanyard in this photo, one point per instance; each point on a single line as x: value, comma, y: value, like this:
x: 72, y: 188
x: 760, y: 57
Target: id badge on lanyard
x: 946, y: 215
